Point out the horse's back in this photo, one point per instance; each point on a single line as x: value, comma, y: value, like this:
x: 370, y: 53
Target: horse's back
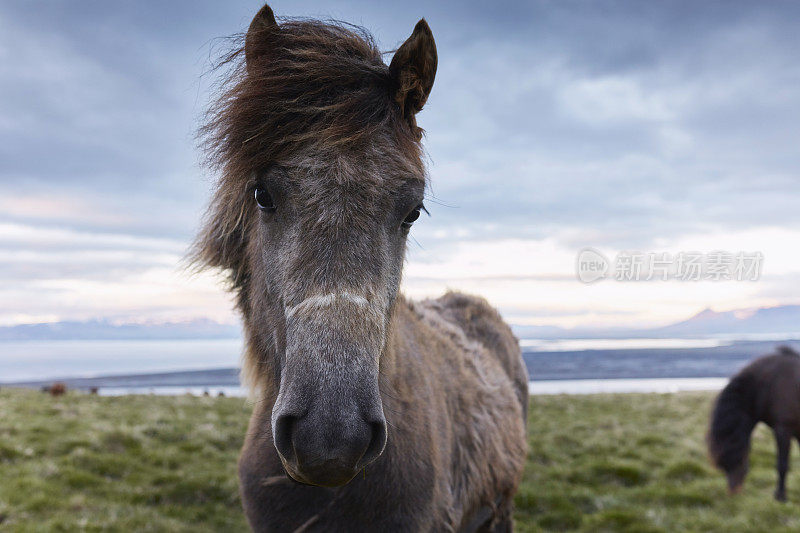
x: 482, y: 323
x: 776, y: 382
x: 476, y: 364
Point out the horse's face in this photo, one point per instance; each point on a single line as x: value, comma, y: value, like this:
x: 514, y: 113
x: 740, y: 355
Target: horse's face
x: 326, y: 256
x: 326, y: 226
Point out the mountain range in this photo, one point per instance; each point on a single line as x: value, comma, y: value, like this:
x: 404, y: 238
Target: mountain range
x: 107, y: 330
x: 780, y: 321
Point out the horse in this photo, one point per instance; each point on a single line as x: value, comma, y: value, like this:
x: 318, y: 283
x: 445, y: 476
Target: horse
x: 59, y: 388
x: 767, y: 390
x: 371, y: 412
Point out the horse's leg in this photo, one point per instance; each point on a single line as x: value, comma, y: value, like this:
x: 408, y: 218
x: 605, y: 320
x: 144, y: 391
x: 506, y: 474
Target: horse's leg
x: 783, y: 440
x: 503, y: 522
x: 503, y: 525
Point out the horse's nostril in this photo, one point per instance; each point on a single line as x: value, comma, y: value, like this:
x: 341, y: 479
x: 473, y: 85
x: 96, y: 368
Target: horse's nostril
x: 284, y: 427
x: 376, y: 443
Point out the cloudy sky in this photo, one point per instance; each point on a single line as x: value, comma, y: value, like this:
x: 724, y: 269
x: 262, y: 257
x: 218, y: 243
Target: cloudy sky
x: 553, y: 126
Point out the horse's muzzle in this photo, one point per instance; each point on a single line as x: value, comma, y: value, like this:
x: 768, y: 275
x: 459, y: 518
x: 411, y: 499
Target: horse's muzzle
x: 318, y: 450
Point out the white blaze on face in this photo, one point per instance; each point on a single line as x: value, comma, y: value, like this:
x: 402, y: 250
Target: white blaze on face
x: 363, y: 316
x: 316, y: 302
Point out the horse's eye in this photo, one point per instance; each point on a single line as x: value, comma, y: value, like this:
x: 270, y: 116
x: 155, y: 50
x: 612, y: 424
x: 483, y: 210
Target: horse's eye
x: 412, y: 216
x: 264, y: 200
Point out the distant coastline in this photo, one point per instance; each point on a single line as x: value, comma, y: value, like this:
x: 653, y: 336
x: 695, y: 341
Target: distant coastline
x: 214, y: 377
x: 202, y: 355
x: 707, y: 362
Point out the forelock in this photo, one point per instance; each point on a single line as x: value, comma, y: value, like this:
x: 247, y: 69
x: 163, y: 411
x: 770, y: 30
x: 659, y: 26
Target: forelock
x: 316, y: 83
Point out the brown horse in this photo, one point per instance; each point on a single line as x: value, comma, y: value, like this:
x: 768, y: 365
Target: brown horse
x: 767, y: 390
x: 387, y: 415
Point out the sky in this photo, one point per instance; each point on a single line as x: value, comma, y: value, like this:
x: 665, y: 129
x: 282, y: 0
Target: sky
x: 552, y: 126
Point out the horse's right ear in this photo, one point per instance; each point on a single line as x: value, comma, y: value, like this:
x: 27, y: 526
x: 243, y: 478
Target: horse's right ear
x: 255, y: 43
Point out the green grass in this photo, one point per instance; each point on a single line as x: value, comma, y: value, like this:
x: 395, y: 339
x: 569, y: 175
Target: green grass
x: 632, y: 463
x: 138, y: 463
x: 638, y: 463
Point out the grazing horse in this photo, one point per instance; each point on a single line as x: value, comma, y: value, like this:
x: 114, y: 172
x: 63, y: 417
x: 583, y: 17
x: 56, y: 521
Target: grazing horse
x: 59, y: 388
x: 767, y: 390
x: 371, y: 412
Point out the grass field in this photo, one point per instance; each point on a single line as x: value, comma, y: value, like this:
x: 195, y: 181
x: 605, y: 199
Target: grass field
x: 148, y: 463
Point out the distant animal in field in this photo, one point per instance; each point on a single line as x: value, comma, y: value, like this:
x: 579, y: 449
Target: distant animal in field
x: 387, y: 414
x: 94, y: 390
x: 56, y: 389
x: 767, y: 390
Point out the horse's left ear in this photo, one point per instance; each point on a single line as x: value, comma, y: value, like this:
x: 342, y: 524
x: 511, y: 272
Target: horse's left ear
x: 413, y: 69
x: 256, y: 42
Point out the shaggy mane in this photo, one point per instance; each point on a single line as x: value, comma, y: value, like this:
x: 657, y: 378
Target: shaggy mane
x: 311, y: 82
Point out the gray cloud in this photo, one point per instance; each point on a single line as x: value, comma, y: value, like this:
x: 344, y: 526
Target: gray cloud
x: 605, y: 123
x: 546, y: 106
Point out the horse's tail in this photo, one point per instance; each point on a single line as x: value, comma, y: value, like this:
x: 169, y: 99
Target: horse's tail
x: 732, y: 423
